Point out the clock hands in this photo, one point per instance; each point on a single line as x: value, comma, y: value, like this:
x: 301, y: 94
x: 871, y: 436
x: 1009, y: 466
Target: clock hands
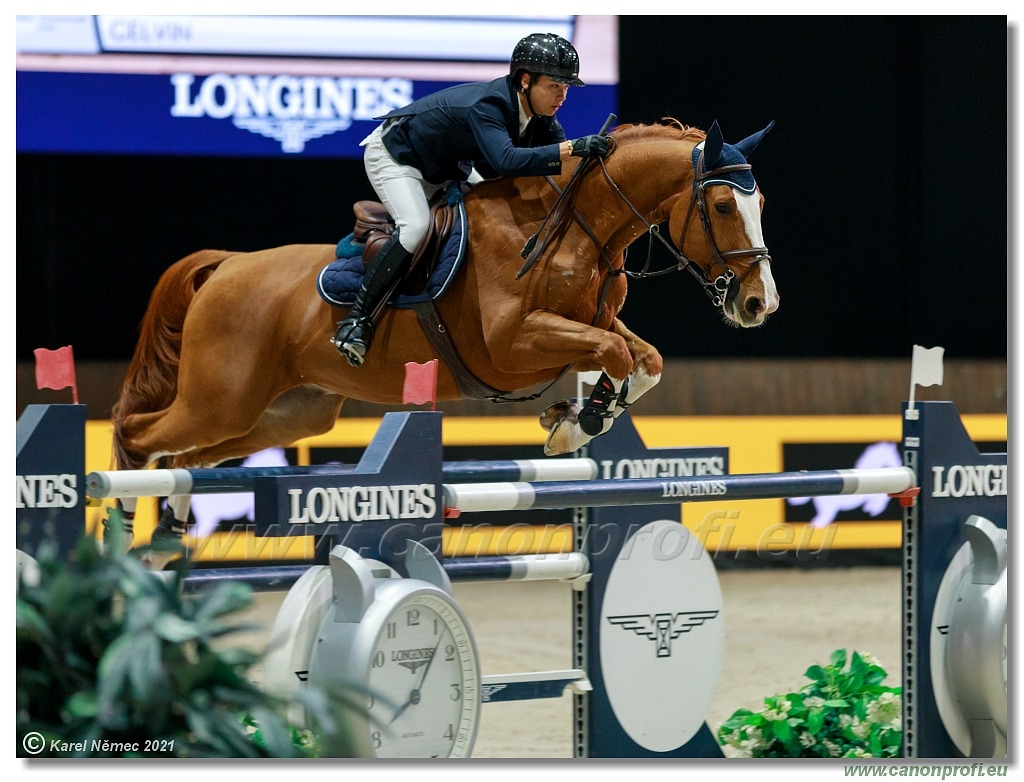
x: 414, y: 696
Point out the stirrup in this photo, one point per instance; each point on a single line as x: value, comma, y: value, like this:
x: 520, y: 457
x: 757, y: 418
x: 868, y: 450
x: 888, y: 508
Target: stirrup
x: 354, y: 348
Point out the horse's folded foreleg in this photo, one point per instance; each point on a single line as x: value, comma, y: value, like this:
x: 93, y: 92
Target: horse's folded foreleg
x: 571, y: 426
x: 647, y: 368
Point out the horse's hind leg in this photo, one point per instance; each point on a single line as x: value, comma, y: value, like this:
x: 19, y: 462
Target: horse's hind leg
x: 300, y: 412
x: 180, y: 428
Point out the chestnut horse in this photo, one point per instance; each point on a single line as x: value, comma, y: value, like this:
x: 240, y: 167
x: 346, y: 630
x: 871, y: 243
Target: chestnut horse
x: 235, y: 355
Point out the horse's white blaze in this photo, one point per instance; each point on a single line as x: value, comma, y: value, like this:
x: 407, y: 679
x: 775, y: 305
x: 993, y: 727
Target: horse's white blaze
x: 749, y: 207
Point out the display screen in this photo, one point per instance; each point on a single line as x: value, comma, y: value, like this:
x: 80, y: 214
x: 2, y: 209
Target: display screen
x: 267, y: 86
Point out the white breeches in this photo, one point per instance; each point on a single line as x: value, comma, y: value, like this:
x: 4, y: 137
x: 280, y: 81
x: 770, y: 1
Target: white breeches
x: 401, y: 189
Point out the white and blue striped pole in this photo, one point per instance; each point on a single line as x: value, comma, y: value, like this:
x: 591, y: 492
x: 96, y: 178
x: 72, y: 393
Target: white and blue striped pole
x: 498, y: 496
x: 525, y: 567
x: 225, y: 480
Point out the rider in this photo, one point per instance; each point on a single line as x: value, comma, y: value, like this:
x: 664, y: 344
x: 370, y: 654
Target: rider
x: 505, y: 127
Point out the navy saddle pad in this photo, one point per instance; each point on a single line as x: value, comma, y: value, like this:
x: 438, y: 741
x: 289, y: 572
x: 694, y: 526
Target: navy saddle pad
x: 339, y: 281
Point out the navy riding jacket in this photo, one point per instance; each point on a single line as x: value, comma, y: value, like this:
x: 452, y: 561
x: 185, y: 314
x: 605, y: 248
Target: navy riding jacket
x: 476, y: 125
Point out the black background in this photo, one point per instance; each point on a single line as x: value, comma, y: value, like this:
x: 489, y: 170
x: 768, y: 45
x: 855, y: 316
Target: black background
x: 885, y: 184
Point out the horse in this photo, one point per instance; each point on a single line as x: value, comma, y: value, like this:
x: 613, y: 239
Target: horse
x: 234, y: 353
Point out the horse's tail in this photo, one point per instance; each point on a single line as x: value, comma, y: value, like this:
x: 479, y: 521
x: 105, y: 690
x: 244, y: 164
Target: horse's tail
x: 151, y: 383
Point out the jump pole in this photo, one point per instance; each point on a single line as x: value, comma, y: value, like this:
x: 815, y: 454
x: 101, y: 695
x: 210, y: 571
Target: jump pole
x: 527, y: 567
x: 222, y: 480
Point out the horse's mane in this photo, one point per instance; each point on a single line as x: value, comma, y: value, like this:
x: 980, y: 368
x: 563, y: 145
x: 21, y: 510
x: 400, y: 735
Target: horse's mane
x: 670, y: 128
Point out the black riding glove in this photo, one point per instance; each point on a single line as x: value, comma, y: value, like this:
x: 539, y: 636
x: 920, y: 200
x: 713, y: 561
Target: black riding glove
x: 589, y: 146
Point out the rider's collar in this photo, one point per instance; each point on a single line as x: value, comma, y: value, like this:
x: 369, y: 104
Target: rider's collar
x: 523, y: 119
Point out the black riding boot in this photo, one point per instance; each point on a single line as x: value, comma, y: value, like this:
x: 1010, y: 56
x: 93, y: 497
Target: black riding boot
x: 355, y: 332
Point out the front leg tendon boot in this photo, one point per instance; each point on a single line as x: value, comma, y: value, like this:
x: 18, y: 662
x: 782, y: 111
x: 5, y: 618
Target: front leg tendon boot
x: 355, y: 332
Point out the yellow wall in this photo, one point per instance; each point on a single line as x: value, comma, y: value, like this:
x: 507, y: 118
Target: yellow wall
x: 755, y: 446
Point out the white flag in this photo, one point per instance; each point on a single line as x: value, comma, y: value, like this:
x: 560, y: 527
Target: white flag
x: 926, y: 366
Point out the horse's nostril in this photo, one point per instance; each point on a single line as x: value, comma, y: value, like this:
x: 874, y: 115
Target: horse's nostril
x: 753, y: 305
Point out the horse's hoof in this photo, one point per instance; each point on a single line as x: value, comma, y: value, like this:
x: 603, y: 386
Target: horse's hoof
x: 105, y: 544
x: 566, y: 435
x: 557, y: 412
x: 155, y: 558
x: 166, y: 544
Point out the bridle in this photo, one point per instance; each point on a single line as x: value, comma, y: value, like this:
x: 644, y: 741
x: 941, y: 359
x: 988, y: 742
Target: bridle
x: 716, y: 287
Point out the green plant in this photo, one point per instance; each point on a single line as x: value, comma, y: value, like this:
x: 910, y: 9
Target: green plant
x: 845, y: 712
x: 113, y: 661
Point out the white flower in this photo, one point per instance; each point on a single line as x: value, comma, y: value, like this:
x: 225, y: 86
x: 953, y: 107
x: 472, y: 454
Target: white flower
x: 753, y: 742
x: 859, y: 752
x: 774, y: 714
x: 886, y: 708
x: 860, y: 729
x: 734, y: 739
x: 834, y: 750
x: 895, y: 726
x: 869, y: 658
x: 814, y: 702
x: 845, y: 720
x: 806, y: 739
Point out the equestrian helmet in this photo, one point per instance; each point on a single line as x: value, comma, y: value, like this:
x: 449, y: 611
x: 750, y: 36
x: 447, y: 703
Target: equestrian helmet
x: 547, y: 54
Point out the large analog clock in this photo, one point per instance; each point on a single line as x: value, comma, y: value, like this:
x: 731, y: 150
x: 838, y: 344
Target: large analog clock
x: 421, y: 672
x: 404, y: 648
x: 968, y: 643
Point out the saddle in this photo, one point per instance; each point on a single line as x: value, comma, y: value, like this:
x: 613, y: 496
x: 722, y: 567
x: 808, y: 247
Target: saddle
x: 374, y: 226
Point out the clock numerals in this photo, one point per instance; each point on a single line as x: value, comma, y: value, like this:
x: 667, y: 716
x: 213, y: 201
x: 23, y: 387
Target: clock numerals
x: 424, y: 700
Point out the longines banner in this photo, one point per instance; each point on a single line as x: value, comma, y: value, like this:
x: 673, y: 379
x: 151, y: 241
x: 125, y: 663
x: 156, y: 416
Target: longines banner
x: 267, y: 86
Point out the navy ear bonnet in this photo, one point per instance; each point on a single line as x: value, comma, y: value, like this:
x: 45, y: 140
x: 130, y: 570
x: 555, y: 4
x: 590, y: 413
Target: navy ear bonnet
x: 718, y: 154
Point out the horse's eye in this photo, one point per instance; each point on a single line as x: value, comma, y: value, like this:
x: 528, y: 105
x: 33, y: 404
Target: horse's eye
x: 723, y: 208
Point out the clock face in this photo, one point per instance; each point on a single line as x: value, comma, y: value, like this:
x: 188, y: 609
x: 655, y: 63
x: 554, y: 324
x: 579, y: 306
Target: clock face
x: 425, y: 682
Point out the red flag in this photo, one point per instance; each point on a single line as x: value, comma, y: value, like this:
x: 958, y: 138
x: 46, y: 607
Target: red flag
x: 56, y: 369
x: 420, y: 383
